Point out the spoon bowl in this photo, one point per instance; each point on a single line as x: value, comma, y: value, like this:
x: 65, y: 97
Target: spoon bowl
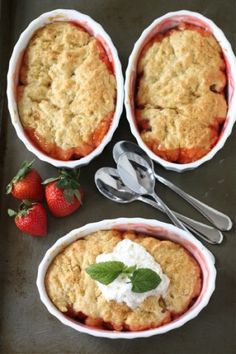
x: 111, y: 186
x: 218, y: 219
x: 138, y: 175
x: 127, y: 146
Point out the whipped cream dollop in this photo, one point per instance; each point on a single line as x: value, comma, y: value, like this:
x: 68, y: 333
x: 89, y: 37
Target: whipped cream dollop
x: 131, y: 253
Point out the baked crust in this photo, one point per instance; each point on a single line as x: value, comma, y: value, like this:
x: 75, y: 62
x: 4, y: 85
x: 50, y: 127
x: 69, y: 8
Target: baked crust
x: 180, y: 100
x: 67, y: 91
x: 73, y: 292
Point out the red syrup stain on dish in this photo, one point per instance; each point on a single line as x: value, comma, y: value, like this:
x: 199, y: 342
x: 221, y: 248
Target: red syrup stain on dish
x: 158, y: 37
x: 157, y: 34
x: 104, y: 57
x: 83, y: 27
x: 86, y: 320
x: 230, y: 78
x: 176, y: 20
x: 229, y: 92
x: 108, y: 52
x: 105, y: 52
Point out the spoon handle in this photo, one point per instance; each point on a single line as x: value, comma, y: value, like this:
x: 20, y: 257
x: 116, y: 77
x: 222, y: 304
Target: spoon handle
x: 207, y: 233
x: 218, y: 219
x: 168, y: 212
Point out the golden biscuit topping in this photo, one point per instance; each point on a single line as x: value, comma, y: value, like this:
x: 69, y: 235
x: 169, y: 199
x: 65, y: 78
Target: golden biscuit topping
x: 180, y: 100
x: 67, y: 91
x: 76, y: 294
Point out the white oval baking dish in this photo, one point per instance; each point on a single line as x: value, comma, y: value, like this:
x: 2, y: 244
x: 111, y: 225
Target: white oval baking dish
x: 162, y: 24
x: 12, y: 80
x: 151, y: 227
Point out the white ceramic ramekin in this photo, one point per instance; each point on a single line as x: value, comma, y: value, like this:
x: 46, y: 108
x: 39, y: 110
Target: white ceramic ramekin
x: 161, y: 24
x: 12, y: 79
x: 151, y: 227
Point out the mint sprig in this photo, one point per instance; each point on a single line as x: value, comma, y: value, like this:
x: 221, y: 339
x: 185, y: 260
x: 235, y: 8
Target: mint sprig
x: 142, y: 279
x: 105, y: 272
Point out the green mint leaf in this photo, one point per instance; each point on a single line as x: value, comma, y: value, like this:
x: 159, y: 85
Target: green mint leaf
x: 144, y: 279
x: 105, y: 272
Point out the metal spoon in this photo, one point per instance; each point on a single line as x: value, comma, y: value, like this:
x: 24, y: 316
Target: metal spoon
x: 111, y: 186
x: 218, y: 219
x: 137, y: 174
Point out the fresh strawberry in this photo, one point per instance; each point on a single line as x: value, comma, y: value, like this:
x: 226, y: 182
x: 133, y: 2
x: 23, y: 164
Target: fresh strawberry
x: 63, y: 193
x: 27, y: 184
x: 31, y: 218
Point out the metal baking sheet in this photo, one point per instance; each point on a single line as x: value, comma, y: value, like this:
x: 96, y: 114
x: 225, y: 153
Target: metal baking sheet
x: 26, y: 326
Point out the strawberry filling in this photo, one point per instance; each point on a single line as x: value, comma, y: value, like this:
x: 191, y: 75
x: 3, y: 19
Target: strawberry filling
x: 74, y: 153
x: 98, y: 323
x: 80, y: 317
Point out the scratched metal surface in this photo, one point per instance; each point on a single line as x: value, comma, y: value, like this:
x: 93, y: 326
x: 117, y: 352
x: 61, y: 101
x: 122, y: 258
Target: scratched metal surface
x: 26, y: 326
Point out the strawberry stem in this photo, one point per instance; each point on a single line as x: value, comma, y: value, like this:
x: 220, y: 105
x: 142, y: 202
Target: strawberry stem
x: 49, y: 180
x: 11, y: 212
x: 24, y: 169
x: 26, y: 204
x: 68, y: 181
x: 78, y: 196
x: 23, y: 209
